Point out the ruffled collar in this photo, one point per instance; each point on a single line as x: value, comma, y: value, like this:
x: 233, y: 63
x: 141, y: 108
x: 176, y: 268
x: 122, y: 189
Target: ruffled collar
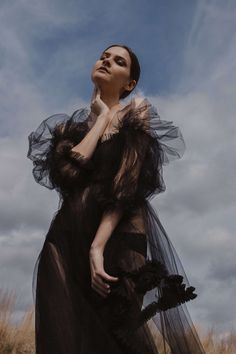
x: 135, y: 104
x: 167, y: 135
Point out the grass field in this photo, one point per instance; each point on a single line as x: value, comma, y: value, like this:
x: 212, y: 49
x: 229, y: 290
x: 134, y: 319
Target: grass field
x: 20, y: 339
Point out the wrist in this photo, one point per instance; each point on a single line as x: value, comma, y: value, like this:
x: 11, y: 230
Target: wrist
x: 101, y: 123
x: 104, y: 116
x: 96, y: 247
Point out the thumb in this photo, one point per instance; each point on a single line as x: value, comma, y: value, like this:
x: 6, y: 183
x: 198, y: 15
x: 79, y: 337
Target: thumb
x: 98, y: 91
x: 109, y: 277
x: 94, y: 94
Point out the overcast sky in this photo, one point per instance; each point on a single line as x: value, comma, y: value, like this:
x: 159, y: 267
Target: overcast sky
x: 187, y: 51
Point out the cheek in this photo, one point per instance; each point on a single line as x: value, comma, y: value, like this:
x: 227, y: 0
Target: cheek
x: 122, y: 76
x: 95, y: 66
x: 93, y: 72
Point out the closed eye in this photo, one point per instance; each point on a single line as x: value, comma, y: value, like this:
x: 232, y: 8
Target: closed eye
x: 118, y: 59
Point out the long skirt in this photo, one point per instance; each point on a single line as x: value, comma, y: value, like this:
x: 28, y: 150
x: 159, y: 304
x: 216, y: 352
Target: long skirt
x: 136, y: 317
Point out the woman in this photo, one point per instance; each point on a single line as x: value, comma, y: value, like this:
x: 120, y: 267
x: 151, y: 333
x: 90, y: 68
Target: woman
x: 107, y: 279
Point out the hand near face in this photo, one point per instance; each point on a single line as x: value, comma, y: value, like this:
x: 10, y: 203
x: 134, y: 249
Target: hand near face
x: 97, y: 105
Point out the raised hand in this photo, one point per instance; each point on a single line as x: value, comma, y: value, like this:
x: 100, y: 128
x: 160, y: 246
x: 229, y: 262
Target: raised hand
x: 97, y: 105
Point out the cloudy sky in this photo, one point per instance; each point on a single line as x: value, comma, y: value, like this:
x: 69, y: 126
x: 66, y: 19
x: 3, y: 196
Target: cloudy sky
x: 187, y: 53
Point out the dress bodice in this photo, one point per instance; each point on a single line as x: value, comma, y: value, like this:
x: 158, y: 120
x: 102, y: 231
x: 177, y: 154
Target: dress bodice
x: 126, y: 165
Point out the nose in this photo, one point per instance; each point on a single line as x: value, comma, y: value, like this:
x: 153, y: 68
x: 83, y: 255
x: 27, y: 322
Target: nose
x: 106, y: 62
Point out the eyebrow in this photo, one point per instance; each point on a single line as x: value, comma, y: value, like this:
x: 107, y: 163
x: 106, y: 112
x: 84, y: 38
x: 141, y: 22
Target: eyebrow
x: 116, y: 56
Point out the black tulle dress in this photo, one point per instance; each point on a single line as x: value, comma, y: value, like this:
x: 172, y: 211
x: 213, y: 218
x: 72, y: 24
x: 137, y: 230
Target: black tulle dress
x: 145, y: 312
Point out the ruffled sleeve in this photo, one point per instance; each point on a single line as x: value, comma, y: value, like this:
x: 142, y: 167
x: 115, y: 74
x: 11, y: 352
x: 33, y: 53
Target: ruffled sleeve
x: 54, y: 164
x: 149, y: 143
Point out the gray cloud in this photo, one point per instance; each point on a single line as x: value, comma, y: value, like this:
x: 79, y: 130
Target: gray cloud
x: 199, y: 205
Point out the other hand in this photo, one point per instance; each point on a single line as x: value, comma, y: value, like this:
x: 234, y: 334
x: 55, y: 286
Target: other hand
x: 99, y: 277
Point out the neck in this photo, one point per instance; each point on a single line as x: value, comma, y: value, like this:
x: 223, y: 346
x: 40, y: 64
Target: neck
x: 110, y: 99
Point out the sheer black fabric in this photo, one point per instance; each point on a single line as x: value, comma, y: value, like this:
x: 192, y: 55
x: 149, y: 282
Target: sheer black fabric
x: 125, y: 171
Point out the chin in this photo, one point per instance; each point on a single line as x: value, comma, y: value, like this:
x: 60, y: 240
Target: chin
x: 99, y: 80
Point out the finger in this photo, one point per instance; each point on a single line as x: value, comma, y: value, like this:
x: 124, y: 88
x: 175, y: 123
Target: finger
x: 109, y: 277
x: 92, y: 98
x: 101, y: 293
x: 94, y: 93
x: 99, y: 288
x: 101, y: 282
x: 98, y: 92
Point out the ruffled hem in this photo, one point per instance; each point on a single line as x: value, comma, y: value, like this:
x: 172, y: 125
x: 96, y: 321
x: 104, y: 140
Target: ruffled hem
x: 172, y: 293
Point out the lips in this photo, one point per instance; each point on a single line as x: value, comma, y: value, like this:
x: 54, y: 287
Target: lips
x: 103, y: 68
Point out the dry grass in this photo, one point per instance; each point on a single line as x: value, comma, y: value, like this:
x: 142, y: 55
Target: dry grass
x: 20, y: 339
x: 15, y: 339
x: 212, y: 343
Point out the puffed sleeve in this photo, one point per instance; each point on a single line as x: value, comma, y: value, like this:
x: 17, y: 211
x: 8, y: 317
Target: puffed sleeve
x: 55, y: 166
x: 149, y: 143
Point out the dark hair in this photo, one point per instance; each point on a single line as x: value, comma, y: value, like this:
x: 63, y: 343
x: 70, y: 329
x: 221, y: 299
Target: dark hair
x: 134, y: 67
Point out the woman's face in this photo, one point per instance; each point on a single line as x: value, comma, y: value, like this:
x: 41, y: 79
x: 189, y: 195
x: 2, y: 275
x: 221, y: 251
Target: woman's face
x: 117, y: 77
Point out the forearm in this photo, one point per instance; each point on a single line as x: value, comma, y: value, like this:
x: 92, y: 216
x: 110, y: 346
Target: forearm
x: 87, y: 146
x: 108, y: 223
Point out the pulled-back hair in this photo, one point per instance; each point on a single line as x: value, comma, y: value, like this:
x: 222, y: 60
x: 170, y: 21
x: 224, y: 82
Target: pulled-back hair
x: 134, y: 67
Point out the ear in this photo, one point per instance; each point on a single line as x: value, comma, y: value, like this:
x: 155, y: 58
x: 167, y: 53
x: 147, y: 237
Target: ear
x: 130, y: 85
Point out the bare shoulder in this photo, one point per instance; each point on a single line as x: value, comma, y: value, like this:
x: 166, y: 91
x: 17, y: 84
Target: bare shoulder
x: 138, y: 100
x: 142, y: 108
